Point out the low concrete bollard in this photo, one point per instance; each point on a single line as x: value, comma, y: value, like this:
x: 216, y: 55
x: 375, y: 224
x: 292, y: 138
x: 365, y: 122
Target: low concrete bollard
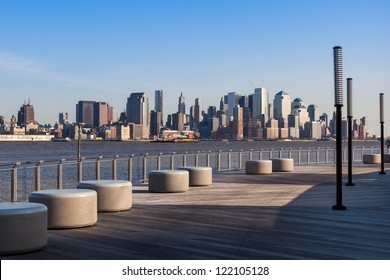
x: 372, y: 159
x: 167, y: 181
x: 23, y: 227
x: 199, y: 176
x: 258, y: 167
x: 112, y: 195
x: 282, y: 164
x: 68, y: 208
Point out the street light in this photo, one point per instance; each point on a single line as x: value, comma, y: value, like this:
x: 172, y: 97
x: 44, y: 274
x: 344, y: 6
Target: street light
x: 350, y: 131
x: 338, y: 103
x: 382, y: 121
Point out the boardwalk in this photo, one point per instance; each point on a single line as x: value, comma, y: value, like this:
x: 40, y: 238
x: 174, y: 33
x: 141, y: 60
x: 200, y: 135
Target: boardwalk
x: 279, y: 216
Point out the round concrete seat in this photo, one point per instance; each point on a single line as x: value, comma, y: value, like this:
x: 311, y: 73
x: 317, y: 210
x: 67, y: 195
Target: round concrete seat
x: 372, y: 159
x: 168, y: 181
x: 23, y: 227
x: 282, y: 164
x: 199, y: 176
x: 68, y: 208
x: 112, y: 195
x: 386, y: 158
x: 258, y: 167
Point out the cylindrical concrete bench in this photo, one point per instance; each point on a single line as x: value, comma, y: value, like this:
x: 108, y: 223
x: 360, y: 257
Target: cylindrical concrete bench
x: 258, y: 167
x: 282, y: 164
x: 68, y: 208
x: 166, y: 181
x: 199, y: 176
x: 372, y: 159
x: 23, y: 227
x: 386, y: 158
x: 112, y: 195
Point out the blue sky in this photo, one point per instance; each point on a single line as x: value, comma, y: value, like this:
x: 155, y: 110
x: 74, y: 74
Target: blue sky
x: 59, y: 52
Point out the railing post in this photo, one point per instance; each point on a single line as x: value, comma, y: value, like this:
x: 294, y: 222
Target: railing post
x: 289, y: 153
x: 299, y: 156
x: 130, y: 168
x: 208, y: 159
x: 270, y: 153
x: 59, y: 174
x: 318, y: 155
x: 159, y: 161
x: 114, y: 167
x: 173, y: 160
x: 261, y: 154
x: 280, y: 152
x: 229, y: 160
x: 219, y: 160
x: 240, y: 159
x: 80, y: 170
x: 308, y: 156
x: 38, y: 176
x: 250, y: 154
x: 144, y: 168
x: 97, y: 168
x: 14, y: 183
x: 185, y: 159
x: 197, y: 158
x: 327, y: 155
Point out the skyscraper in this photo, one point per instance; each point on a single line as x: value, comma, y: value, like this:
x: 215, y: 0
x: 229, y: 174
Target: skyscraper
x: 198, y: 111
x: 85, y: 113
x: 260, y: 105
x: 314, y: 113
x: 100, y: 114
x: 63, y: 118
x: 282, y: 105
x: 181, y: 108
x: 26, y: 114
x: 158, y: 103
x: 137, y: 109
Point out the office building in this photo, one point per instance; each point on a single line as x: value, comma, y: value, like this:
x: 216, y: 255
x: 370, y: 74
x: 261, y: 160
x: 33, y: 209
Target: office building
x: 282, y: 105
x: 158, y: 103
x: 137, y: 109
x: 314, y: 113
x: 260, y: 105
x: 181, y: 107
x: 85, y: 113
x: 26, y: 114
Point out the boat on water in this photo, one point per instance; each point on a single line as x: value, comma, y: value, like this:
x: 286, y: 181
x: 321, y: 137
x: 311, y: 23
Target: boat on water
x: 175, y: 140
x: 67, y: 139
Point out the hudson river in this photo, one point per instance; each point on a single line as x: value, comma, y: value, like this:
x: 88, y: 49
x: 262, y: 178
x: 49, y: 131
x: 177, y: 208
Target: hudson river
x: 34, y: 151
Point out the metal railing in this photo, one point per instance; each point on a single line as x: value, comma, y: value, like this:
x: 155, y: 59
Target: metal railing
x: 18, y: 179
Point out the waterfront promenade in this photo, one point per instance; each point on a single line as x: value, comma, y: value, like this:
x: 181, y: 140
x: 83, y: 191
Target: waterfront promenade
x: 240, y: 216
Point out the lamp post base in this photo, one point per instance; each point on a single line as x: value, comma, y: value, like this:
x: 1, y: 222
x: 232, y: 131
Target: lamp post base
x: 349, y: 184
x: 382, y: 173
x: 339, y: 207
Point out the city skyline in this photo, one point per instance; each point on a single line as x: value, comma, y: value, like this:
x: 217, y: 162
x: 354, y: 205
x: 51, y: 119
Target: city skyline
x: 204, y: 49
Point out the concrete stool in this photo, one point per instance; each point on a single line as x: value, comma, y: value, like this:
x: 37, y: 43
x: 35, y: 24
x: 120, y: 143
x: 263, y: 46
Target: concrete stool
x: 112, y: 195
x: 68, y: 208
x: 168, y: 181
x: 23, y: 227
x: 199, y: 176
x: 282, y: 164
x: 386, y: 158
x: 258, y: 167
x: 372, y: 159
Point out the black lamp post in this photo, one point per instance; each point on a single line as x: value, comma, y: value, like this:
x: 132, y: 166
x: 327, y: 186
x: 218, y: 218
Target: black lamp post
x: 382, y: 121
x: 338, y: 103
x: 350, y: 131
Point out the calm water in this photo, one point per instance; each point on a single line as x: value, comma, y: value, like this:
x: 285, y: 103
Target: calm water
x: 21, y: 152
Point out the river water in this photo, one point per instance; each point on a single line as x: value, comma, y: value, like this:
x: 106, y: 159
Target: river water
x: 35, y: 151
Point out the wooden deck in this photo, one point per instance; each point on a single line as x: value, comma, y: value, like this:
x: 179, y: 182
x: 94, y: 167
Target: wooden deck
x: 279, y: 216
